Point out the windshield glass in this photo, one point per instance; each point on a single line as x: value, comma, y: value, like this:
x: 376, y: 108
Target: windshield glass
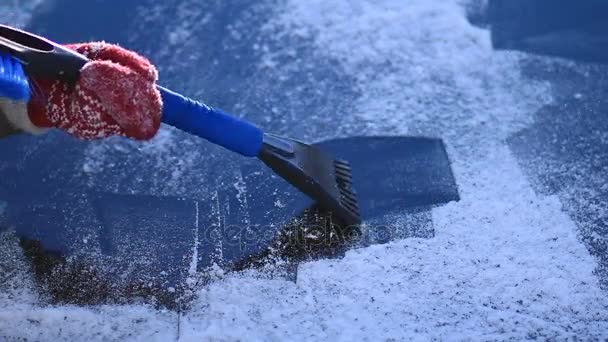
x: 478, y: 140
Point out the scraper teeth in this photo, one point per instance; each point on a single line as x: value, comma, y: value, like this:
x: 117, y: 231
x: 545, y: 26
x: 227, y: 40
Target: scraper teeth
x: 344, y: 186
x: 344, y: 174
x: 348, y: 199
x: 349, y: 196
x: 352, y: 209
x: 350, y: 202
x: 342, y: 165
x: 344, y: 180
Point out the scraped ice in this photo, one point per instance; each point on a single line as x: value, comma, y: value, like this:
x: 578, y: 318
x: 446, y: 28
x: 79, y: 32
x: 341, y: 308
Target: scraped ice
x: 505, y: 262
x: 194, y: 261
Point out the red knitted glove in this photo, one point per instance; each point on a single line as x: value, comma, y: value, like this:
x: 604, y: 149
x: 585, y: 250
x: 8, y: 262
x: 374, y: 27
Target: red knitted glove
x: 115, y: 95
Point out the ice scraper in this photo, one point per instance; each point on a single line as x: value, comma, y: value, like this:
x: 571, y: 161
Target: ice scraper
x: 313, y: 171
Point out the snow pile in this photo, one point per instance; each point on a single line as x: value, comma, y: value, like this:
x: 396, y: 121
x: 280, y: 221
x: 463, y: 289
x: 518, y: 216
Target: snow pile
x: 501, y: 266
x: 505, y: 262
x: 138, y: 323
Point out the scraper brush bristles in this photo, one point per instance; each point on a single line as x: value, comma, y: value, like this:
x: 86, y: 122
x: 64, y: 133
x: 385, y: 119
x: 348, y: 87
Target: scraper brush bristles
x: 14, y: 84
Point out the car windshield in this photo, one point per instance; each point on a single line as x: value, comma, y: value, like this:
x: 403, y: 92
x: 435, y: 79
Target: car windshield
x: 477, y: 135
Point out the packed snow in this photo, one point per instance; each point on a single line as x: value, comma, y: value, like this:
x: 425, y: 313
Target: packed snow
x: 505, y: 261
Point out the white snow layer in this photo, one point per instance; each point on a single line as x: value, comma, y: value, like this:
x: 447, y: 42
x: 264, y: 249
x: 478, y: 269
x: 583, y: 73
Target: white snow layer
x: 17, y: 12
x: 505, y: 262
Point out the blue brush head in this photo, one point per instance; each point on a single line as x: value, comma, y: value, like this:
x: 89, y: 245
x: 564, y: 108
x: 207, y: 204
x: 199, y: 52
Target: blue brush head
x: 14, y: 84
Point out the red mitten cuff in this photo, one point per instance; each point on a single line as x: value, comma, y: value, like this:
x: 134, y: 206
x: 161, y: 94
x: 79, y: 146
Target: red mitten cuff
x: 115, y: 95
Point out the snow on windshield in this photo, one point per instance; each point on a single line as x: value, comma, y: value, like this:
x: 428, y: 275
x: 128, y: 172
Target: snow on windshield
x: 505, y: 262
x: 17, y: 12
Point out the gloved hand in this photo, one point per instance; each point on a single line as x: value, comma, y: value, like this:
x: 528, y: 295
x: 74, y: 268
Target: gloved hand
x: 115, y: 95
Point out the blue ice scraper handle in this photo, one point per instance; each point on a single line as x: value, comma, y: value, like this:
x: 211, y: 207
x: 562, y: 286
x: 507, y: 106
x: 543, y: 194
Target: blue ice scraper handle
x: 45, y: 58
x: 212, y: 124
